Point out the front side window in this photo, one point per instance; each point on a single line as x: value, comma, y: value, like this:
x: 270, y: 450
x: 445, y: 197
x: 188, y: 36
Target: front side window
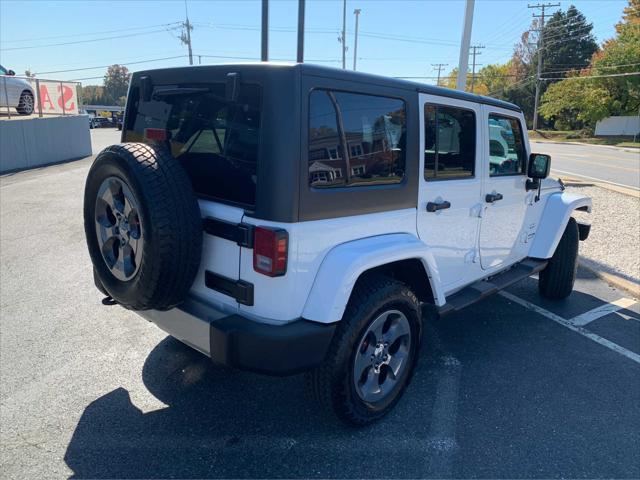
x: 450, y: 143
x: 507, y: 154
x: 355, y: 139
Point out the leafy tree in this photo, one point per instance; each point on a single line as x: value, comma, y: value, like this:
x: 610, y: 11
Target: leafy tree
x: 116, y: 83
x: 93, y: 95
x: 582, y: 100
x: 568, y: 42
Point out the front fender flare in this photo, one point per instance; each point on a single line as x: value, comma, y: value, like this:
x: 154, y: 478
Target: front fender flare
x: 554, y: 220
x: 343, y: 265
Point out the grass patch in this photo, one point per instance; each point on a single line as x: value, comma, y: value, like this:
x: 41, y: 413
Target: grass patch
x: 582, y: 137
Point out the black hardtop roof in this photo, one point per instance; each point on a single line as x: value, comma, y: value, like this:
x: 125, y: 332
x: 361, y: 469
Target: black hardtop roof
x: 346, y: 75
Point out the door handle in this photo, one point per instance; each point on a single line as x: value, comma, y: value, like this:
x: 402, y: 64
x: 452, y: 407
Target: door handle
x: 493, y: 197
x: 434, y: 207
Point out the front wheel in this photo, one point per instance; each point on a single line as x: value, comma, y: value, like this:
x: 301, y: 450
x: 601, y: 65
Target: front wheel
x: 557, y: 279
x: 373, y: 353
x: 26, y: 103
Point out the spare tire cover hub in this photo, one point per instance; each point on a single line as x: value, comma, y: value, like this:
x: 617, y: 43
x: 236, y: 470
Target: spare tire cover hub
x: 118, y: 228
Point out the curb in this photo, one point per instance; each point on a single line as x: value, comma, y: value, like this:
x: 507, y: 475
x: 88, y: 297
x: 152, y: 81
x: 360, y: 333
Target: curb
x: 612, y: 279
x: 575, y: 182
x: 624, y: 149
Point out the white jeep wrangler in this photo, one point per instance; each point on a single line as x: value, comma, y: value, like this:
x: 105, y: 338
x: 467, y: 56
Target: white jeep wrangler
x: 296, y: 218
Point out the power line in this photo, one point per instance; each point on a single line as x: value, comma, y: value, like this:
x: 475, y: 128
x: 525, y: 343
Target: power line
x: 26, y: 40
x: 629, y: 74
x: 107, y: 66
x: 87, y: 41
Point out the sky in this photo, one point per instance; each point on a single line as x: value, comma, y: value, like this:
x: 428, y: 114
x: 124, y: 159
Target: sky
x: 397, y: 38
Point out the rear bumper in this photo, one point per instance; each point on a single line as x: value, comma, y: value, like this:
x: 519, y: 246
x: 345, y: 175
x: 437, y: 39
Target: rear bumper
x: 239, y: 342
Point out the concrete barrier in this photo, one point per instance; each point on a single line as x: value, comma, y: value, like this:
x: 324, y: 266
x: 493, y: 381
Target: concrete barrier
x: 35, y: 142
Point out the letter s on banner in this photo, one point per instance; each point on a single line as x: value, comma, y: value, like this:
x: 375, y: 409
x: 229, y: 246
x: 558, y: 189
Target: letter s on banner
x: 68, y: 95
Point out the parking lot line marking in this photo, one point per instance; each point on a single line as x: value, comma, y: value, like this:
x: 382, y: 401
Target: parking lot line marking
x: 567, y: 323
x: 601, y: 311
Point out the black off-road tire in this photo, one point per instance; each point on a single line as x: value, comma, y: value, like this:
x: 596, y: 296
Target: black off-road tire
x: 98, y: 283
x: 332, y: 384
x: 170, y: 222
x: 556, y: 280
x: 26, y: 103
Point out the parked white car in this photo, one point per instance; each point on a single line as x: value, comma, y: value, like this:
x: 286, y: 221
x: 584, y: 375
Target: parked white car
x: 19, y: 93
x: 282, y: 219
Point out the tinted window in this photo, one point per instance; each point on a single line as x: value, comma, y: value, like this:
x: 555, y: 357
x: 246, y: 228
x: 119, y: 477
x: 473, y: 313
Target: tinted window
x: 355, y: 139
x: 216, y: 141
x: 507, y: 155
x: 450, y: 143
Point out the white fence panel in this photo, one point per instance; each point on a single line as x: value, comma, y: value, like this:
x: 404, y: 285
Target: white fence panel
x: 629, y: 125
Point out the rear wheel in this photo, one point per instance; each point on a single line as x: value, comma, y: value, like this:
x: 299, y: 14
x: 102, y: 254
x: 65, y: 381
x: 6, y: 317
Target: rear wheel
x: 26, y: 103
x: 373, y: 354
x: 558, y: 277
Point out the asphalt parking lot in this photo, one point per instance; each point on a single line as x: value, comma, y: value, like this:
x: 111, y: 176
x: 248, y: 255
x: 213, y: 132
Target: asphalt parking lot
x: 514, y: 386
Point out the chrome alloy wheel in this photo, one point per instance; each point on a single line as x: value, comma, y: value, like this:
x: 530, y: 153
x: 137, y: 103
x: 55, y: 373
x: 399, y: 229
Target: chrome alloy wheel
x: 118, y: 228
x: 26, y: 102
x: 382, y: 356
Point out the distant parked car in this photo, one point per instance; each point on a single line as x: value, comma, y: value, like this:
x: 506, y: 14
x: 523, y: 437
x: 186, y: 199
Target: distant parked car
x: 19, y: 93
x: 100, y: 122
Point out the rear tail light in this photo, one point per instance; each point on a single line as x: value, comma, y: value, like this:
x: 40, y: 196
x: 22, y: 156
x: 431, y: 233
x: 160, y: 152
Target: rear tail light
x: 270, y: 249
x: 158, y: 134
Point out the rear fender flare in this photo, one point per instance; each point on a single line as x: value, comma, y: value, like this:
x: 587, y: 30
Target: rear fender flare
x: 343, y: 265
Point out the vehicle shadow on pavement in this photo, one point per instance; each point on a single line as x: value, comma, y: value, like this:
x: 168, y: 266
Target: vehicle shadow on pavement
x: 499, y: 392
x: 223, y: 423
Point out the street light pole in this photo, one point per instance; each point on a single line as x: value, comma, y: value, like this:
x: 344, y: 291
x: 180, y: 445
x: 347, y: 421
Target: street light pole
x: 356, y: 12
x: 344, y: 34
x: 463, y: 63
x: 300, y: 51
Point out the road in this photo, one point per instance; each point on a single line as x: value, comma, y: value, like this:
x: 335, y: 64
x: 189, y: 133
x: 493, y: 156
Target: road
x: 620, y: 166
x: 510, y: 387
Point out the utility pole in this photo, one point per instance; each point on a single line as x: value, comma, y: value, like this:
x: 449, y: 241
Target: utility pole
x: 264, y: 44
x: 475, y: 52
x: 185, y: 38
x: 463, y: 63
x: 542, y: 7
x: 343, y: 39
x: 439, y: 67
x: 356, y: 12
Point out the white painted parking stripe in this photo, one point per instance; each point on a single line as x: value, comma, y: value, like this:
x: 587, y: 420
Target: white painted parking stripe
x: 601, y: 311
x: 566, y: 323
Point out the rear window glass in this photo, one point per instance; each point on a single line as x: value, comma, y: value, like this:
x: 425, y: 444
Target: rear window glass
x: 215, y: 140
x: 355, y: 139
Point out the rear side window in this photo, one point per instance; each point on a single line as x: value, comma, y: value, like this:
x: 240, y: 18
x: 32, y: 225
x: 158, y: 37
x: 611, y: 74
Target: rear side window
x: 355, y: 139
x: 215, y: 140
x: 507, y: 155
x: 450, y: 143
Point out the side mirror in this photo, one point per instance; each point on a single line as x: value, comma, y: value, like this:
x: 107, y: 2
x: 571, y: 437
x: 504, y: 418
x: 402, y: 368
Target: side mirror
x: 11, y: 73
x: 539, y: 165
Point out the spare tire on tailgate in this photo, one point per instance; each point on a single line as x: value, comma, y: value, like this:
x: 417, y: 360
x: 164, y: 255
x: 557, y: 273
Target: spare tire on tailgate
x: 143, y: 227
